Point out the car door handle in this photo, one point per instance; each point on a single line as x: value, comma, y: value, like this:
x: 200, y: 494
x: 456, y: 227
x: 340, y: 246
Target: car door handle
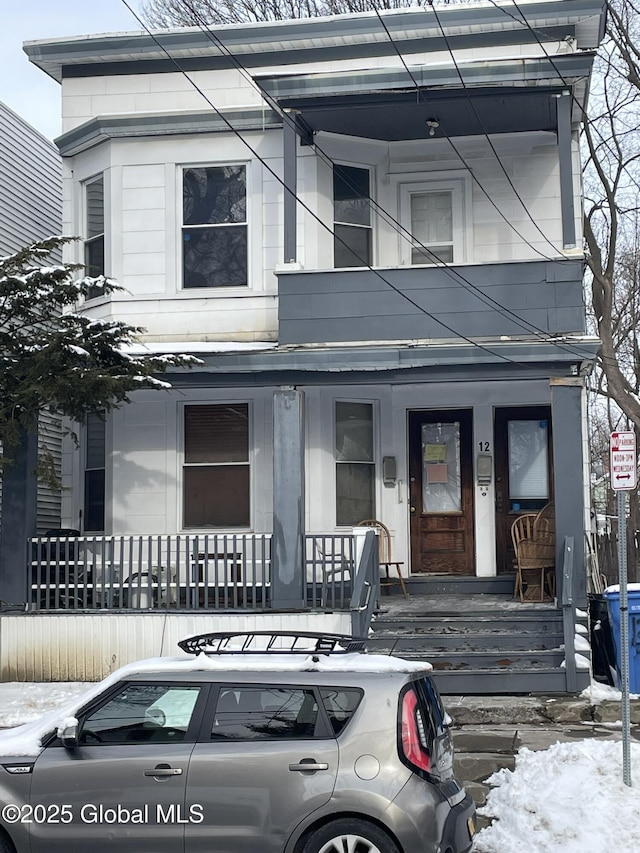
x: 164, y: 771
x: 308, y: 765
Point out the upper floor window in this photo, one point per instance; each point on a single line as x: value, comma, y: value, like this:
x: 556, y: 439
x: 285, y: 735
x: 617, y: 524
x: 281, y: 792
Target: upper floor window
x: 216, y: 479
x: 433, y: 214
x: 352, y: 242
x: 355, y: 467
x: 214, y: 226
x: 94, y: 231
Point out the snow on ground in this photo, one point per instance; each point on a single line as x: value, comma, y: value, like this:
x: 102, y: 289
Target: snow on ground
x: 569, y: 798
x: 22, y: 703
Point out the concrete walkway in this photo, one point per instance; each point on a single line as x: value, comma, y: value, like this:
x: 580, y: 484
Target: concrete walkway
x: 488, y: 731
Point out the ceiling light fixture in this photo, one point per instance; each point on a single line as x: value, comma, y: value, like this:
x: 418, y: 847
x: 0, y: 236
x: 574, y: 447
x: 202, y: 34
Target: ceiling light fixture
x: 432, y: 124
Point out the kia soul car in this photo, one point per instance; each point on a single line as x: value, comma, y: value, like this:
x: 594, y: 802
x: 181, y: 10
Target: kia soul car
x: 255, y: 744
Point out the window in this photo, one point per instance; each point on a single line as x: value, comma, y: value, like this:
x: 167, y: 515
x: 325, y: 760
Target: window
x: 340, y: 704
x: 94, y: 232
x: 216, y: 472
x: 441, y: 483
x: 142, y: 713
x: 94, y: 472
x: 265, y: 713
x: 214, y: 233
x: 433, y: 214
x: 355, y: 468
x: 528, y: 460
x: 351, y: 217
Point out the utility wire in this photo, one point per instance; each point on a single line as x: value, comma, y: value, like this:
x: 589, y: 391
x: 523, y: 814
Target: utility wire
x: 451, y: 271
x: 454, y: 273
x: 484, y: 297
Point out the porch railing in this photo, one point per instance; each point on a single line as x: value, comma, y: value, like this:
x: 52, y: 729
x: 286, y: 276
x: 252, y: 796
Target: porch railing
x: 184, y: 572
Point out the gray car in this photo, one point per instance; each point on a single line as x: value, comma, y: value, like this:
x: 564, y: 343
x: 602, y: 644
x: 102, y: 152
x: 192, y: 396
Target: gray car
x: 243, y: 753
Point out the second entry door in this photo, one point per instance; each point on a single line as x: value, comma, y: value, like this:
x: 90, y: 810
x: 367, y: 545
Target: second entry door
x: 441, y: 492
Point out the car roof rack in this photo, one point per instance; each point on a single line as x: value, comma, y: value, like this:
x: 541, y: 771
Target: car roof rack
x: 271, y: 642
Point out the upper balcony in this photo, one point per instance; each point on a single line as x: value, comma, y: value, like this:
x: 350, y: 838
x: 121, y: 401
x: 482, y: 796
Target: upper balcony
x: 458, y: 301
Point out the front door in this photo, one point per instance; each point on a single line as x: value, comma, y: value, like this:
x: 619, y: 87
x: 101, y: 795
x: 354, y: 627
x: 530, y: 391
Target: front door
x: 524, y: 471
x: 441, y: 491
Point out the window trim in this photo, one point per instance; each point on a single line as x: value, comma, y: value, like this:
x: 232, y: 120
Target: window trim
x: 460, y: 186
x: 250, y: 224
x: 181, y: 455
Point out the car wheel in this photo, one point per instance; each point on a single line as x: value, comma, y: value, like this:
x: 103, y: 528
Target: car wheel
x: 350, y: 836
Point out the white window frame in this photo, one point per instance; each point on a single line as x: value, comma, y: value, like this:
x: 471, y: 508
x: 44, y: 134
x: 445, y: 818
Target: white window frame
x: 182, y: 464
x: 220, y: 290
x: 460, y: 189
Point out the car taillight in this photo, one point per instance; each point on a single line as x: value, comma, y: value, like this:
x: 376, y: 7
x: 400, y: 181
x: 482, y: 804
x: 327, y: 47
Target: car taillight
x: 414, y: 741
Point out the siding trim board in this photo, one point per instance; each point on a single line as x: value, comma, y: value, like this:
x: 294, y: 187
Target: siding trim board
x: 102, y: 128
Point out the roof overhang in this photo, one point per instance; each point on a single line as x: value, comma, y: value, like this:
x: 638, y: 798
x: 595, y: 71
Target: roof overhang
x: 354, y: 36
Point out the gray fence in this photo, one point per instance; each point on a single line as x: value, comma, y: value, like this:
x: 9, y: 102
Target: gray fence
x: 191, y: 573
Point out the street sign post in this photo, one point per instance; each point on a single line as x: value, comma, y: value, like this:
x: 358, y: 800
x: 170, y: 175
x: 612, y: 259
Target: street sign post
x: 624, y: 470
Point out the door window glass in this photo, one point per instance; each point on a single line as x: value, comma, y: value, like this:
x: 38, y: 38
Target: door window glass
x: 264, y: 713
x: 528, y: 460
x: 432, y: 227
x: 441, y: 488
x: 142, y: 713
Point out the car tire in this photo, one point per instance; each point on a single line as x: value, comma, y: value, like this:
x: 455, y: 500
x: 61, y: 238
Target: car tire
x: 350, y: 835
x: 6, y: 845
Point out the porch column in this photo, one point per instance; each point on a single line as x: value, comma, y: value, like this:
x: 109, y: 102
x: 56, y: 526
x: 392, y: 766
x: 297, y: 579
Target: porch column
x: 566, y: 171
x: 568, y: 479
x: 288, y: 577
x: 19, y: 500
x: 290, y: 156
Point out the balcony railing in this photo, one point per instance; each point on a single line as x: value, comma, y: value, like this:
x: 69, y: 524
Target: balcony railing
x: 181, y: 572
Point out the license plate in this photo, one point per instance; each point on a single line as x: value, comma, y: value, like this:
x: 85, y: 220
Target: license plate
x: 471, y: 826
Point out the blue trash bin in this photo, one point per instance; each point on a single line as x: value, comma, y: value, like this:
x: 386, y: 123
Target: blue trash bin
x: 612, y: 594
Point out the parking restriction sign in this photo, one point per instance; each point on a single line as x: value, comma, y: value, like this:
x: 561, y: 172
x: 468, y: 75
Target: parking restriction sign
x: 623, y: 460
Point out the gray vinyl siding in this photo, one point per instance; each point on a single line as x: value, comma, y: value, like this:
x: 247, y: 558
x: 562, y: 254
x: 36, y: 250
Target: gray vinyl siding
x: 30, y: 184
x: 31, y: 209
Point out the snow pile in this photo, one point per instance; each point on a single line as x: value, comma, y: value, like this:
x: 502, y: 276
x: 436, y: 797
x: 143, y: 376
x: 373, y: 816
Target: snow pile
x: 569, y: 798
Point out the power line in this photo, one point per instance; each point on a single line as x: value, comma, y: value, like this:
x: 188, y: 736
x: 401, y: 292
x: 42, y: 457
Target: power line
x: 395, y: 224
x: 526, y: 325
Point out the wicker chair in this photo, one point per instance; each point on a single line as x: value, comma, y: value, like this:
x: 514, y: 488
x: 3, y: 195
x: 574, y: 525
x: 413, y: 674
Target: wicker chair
x: 534, y: 544
x: 386, y: 560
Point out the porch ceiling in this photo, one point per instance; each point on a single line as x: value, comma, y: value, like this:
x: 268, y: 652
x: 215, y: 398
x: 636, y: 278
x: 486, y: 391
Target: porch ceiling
x: 508, y: 96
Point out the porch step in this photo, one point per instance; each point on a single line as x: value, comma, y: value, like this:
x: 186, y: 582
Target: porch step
x: 479, y: 644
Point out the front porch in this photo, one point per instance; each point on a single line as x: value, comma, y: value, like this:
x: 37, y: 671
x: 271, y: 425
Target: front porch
x: 98, y: 602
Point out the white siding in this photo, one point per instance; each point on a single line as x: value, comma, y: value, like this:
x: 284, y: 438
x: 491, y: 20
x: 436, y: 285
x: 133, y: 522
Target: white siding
x: 88, y: 647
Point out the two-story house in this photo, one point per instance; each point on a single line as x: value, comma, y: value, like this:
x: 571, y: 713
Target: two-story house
x: 368, y: 229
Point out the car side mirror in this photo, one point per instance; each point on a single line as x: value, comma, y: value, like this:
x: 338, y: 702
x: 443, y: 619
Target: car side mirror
x: 68, y: 733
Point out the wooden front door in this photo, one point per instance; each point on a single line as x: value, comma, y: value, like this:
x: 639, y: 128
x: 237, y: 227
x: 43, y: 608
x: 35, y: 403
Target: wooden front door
x: 441, y: 492
x: 523, y: 470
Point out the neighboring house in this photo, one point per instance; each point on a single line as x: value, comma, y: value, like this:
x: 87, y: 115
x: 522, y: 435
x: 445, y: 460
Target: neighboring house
x: 30, y: 210
x: 380, y: 270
